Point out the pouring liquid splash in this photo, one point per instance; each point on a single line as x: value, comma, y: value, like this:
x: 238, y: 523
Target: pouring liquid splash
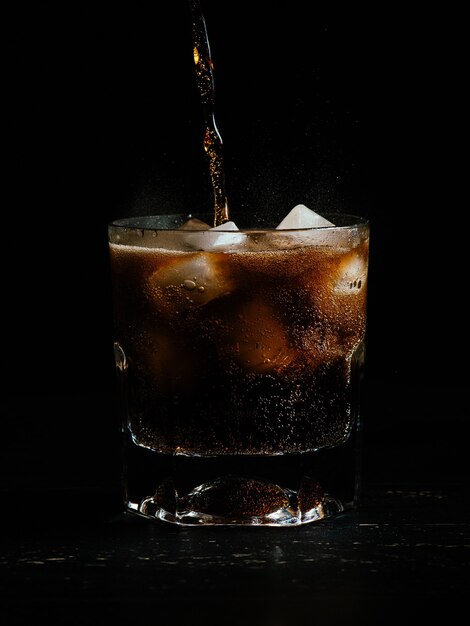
x: 212, y: 137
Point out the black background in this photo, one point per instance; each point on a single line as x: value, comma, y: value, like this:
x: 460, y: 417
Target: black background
x: 349, y: 111
x: 354, y: 110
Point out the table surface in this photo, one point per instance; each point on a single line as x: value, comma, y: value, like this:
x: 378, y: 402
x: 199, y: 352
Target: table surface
x: 70, y: 554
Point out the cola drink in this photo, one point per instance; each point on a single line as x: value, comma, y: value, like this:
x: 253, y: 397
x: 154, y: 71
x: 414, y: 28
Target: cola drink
x: 240, y: 356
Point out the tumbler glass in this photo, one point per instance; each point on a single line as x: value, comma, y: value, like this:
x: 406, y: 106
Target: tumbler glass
x: 240, y: 358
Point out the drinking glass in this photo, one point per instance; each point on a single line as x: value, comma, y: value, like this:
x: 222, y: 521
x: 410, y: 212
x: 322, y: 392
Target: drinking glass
x: 240, y: 359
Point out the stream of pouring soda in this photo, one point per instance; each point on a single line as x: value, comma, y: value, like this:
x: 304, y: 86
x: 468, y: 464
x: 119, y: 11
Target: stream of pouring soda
x: 212, y: 138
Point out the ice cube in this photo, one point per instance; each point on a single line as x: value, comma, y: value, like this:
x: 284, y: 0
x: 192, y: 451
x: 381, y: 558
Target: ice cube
x: 209, y: 239
x: 190, y: 280
x: 257, y: 339
x: 226, y: 240
x: 338, y: 300
x: 352, y: 273
x: 303, y: 217
x: 194, y: 224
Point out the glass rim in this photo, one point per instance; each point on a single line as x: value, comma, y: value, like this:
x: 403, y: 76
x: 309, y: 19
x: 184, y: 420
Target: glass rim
x: 139, y: 223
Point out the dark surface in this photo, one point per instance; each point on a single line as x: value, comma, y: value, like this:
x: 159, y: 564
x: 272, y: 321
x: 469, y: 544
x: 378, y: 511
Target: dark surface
x: 68, y: 552
x: 354, y: 111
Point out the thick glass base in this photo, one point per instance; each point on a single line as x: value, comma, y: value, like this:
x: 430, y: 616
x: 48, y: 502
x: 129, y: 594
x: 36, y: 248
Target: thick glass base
x: 248, y: 490
x: 235, y: 500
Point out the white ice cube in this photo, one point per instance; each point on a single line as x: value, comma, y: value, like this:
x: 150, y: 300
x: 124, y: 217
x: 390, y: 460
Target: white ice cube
x: 226, y: 226
x: 208, y: 239
x: 190, y: 280
x: 233, y: 239
x: 303, y: 217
